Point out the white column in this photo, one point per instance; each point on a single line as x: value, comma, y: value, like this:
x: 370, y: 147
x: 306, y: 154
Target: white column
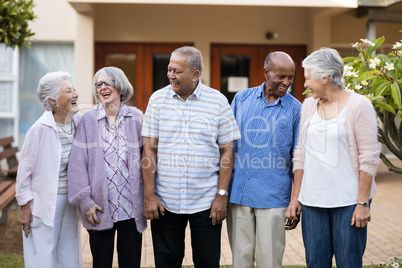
x: 84, y: 59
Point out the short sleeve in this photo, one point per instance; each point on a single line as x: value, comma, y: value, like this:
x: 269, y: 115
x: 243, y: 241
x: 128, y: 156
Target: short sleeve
x: 150, y: 126
x: 228, y: 130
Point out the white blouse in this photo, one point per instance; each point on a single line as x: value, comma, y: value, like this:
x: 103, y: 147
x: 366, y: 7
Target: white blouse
x: 329, y: 179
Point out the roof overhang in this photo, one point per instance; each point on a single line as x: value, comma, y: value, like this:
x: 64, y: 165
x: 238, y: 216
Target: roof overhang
x: 377, y: 3
x: 85, y: 5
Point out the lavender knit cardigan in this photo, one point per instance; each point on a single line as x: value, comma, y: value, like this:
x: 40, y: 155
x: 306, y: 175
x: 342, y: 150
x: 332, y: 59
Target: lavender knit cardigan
x: 87, y: 183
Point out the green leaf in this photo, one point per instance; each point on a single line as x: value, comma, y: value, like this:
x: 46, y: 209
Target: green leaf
x: 377, y: 43
x: 385, y: 106
x: 396, y: 94
x: 367, y: 76
x: 382, y: 88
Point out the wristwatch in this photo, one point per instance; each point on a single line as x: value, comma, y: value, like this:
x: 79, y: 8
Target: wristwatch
x: 364, y: 204
x: 222, y: 192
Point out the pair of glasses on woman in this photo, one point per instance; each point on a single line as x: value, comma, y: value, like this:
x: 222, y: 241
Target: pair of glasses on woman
x: 99, y: 84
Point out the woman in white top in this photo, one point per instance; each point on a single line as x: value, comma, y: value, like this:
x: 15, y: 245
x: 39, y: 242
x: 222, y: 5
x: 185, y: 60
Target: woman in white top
x: 50, y: 224
x: 334, y: 164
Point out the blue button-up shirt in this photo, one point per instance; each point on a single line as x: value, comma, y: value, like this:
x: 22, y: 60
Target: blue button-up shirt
x: 262, y: 176
x: 189, y: 134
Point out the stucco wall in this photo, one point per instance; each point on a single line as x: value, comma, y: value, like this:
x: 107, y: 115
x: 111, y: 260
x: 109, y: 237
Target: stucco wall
x: 55, y: 22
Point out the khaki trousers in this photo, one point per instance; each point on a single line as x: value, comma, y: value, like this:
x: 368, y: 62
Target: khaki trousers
x: 256, y: 235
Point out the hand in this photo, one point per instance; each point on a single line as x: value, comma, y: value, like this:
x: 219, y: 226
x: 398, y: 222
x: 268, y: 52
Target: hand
x: 219, y: 209
x: 90, y: 215
x: 26, y: 219
x: 152, y: 207
x: 361, y: 216
x: 292, y: 214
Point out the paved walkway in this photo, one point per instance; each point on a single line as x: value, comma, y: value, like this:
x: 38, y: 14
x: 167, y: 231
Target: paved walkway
x: 384, y: 232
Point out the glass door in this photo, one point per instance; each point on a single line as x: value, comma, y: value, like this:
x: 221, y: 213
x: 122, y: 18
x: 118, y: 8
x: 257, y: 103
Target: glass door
x: 144, y: 64
x: 237, y: 67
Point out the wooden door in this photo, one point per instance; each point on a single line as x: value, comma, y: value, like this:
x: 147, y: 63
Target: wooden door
x: 247, y: 62
x: 145, y: 65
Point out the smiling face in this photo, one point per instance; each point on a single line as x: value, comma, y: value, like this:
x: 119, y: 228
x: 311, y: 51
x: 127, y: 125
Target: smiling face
x: 182, y: 79
x: 107, y: 93
x: 279, y: 77
x: 67, y: 100
x: 316, y: 86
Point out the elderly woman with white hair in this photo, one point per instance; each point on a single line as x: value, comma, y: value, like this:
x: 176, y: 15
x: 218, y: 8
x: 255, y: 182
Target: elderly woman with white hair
x: 105, y: 172
x: 334, y: 165
x: 50, y: 224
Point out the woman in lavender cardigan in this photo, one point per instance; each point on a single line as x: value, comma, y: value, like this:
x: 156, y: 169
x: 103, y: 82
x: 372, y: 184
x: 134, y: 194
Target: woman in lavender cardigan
x: 105, y: 172
x: 334, y: 164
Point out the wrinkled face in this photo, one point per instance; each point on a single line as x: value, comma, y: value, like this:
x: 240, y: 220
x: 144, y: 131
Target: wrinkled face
x: 107, y: 93
x: 68, y: 97
x: 280, y: 77
x: 315, y: 85
x: 182, y: 79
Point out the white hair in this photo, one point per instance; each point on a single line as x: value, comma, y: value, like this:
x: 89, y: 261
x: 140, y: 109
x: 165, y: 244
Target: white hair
x: 49, y: 87
x: 326, y: 62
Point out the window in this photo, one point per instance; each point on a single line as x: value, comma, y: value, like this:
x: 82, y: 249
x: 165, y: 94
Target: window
x: 8, y: 92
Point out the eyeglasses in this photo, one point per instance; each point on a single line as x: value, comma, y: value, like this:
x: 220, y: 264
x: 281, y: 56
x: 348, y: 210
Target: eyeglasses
x: 99, y: 84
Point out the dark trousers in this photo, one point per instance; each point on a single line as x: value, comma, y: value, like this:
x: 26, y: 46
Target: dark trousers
x: 168, y: 234
x: 129, y: 242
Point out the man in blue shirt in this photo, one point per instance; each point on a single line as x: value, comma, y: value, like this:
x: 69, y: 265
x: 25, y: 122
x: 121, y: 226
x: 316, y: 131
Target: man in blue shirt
x: 261, y: 184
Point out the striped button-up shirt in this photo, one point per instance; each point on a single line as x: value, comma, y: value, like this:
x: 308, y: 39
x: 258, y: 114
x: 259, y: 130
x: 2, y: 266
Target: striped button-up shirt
x: 189, y: 134
x: 262, y: 176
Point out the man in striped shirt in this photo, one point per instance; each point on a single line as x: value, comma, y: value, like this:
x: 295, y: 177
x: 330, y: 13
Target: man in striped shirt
x: 260, y: 189
x: 188, y: 132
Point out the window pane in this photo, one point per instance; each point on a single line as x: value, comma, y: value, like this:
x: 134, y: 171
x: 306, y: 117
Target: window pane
x: 234, y: 66
x: 127, y: 62
x: 6, y: 127
x: 6, y: 59
x: 160, y: 64
x: 6, y: 97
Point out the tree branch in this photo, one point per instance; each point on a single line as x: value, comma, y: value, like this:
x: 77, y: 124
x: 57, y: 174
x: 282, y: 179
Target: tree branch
x: 389, y: 144
x: 390, y: 166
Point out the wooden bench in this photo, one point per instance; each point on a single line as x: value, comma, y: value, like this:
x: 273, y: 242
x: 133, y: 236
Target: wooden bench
x: 7, y: 177
x: 9, y: 153
x: 7, y: 195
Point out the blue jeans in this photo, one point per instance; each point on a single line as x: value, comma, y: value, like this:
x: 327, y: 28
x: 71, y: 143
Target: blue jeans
x: 327, y: 231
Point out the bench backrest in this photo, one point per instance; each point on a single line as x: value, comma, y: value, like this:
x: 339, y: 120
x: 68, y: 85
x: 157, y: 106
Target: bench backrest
x: 9, y: 153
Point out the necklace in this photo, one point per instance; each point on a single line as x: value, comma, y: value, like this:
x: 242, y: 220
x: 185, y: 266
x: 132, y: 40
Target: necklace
x: 71, y: 128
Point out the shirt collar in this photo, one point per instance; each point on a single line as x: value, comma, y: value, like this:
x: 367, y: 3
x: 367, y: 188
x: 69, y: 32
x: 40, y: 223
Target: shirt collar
x: 280, y: 100
x: 123, y: 111
x: 197, y: 91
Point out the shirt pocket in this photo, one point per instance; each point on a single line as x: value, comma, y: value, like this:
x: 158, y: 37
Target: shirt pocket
x: 283, y: 135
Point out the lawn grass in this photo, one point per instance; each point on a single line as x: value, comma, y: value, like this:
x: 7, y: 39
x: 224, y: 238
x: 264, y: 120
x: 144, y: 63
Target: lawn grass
x: 11, y: 260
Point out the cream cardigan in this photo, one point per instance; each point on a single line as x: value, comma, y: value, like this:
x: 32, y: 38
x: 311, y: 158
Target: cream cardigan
x: 361, y: 128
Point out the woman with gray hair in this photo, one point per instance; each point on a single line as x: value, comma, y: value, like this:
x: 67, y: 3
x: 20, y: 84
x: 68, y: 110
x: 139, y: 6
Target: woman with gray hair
x: 334, y: 165
x: 105, y: 172
x: 50, y: 224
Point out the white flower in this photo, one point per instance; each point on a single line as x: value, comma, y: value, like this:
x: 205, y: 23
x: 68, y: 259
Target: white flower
x: 389, y: 66
x: 366, y: 41
x: 397, y: 45
x: 347, y: 68
x: 395, y: 265
x: 348, y: 89
x: 369, y: 96
x: 355, y: 45
x: 358, y: 87
x: 374, y: 62
x: 364, y: 83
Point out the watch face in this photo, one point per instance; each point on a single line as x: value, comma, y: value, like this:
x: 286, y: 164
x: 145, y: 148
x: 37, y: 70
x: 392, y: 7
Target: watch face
x: 222, y: 192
